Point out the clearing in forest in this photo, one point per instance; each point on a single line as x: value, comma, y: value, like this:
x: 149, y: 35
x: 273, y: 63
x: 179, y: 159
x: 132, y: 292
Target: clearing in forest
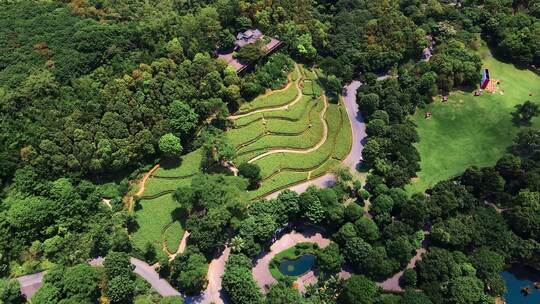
x: 472, y: 130
x: 294, y: 134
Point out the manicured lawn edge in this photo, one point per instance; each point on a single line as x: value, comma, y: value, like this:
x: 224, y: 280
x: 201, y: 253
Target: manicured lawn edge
x: 290, y: 253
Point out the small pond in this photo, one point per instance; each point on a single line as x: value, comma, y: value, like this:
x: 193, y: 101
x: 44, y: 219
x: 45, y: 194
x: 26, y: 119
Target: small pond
x: 516, y: 278
x: 298, y: 266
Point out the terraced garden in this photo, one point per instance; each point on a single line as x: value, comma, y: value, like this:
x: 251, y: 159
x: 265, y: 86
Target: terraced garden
x: 294, y: 134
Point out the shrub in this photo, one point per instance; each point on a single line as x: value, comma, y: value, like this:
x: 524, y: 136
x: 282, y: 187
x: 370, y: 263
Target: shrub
x: 252, y: 172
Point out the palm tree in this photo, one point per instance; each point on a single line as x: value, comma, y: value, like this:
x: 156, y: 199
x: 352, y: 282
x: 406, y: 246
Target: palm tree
x: 237, y: 243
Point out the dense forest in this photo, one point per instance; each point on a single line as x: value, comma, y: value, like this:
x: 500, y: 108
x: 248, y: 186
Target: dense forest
x: 94, y: 92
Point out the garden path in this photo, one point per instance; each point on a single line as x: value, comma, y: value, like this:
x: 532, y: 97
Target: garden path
x: 283, y: 107
x: 130, y: 198
x: 261, y: 271
x: 353, y: 159
x: 392, y: 284
x: 302, y: 151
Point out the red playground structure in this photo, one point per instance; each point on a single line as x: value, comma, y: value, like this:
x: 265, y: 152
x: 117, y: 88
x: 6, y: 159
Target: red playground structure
x: 485, y: 79
x: 489, y: 84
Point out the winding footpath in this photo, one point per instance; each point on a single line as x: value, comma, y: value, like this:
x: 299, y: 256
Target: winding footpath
x: 261, y: 271
x: 354, y: 158
x: 299, y: 96
x: 302, y: 151
x: 392, y: 283
x: 130, y: 199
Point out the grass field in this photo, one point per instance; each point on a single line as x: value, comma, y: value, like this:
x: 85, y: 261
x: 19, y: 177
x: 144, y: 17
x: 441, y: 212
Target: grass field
x: 158, y: 224
x: 297, y: 126
x: 189, y: 164
x: 469, y: 130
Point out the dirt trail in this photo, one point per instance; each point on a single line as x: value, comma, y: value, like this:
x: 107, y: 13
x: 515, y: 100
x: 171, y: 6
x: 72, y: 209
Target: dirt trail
x: 129, y: 198
x: 181, y: 246
x: 303, y: 151
x: 283, y: 107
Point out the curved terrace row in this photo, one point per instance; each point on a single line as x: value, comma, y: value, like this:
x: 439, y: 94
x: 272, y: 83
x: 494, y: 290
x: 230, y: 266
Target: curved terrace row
x: 294, y: 134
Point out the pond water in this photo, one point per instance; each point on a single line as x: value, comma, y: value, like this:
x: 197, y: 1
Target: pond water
x: 516, y: 278
x: 297, y: 266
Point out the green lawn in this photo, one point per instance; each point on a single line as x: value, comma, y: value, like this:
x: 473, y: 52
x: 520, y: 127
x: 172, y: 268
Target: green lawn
x: 273, y: 99
x: 189, y: 164
x: 245, y: 134
x: 157, y: 224
x: 309, y: 137
x: 308, y: 161
x: 277, y: 182
x: 154, y: 216
x: 155, y: 186
x: 469, y: 130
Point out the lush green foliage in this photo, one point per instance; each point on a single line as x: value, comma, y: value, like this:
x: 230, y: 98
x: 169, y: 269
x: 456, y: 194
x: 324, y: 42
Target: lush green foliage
x: 170, y: 145
x: 188, y: 272
x: 10, y: 292
x: 238, y: 281
x: 77, y: 283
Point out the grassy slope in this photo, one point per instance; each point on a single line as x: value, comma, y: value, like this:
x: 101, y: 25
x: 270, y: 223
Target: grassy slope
x: 272, y: 162
x: 274, y: 99
x: 470, y: 130
x: 306, y: 139
x: 189, y: 164
x: 155, y: 214
x: 152, y: 217
x: 318, y: 162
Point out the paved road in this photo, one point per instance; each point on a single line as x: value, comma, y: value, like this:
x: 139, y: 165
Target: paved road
x: 32, y: 282
x: 354, y: 159
x: 213, y: 293
x: 148, y: 273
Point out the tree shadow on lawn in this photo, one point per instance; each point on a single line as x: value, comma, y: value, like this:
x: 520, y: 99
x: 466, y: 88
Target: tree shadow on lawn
x: 170, y: 163
x: 179, y: 214
x: 332, y: 96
